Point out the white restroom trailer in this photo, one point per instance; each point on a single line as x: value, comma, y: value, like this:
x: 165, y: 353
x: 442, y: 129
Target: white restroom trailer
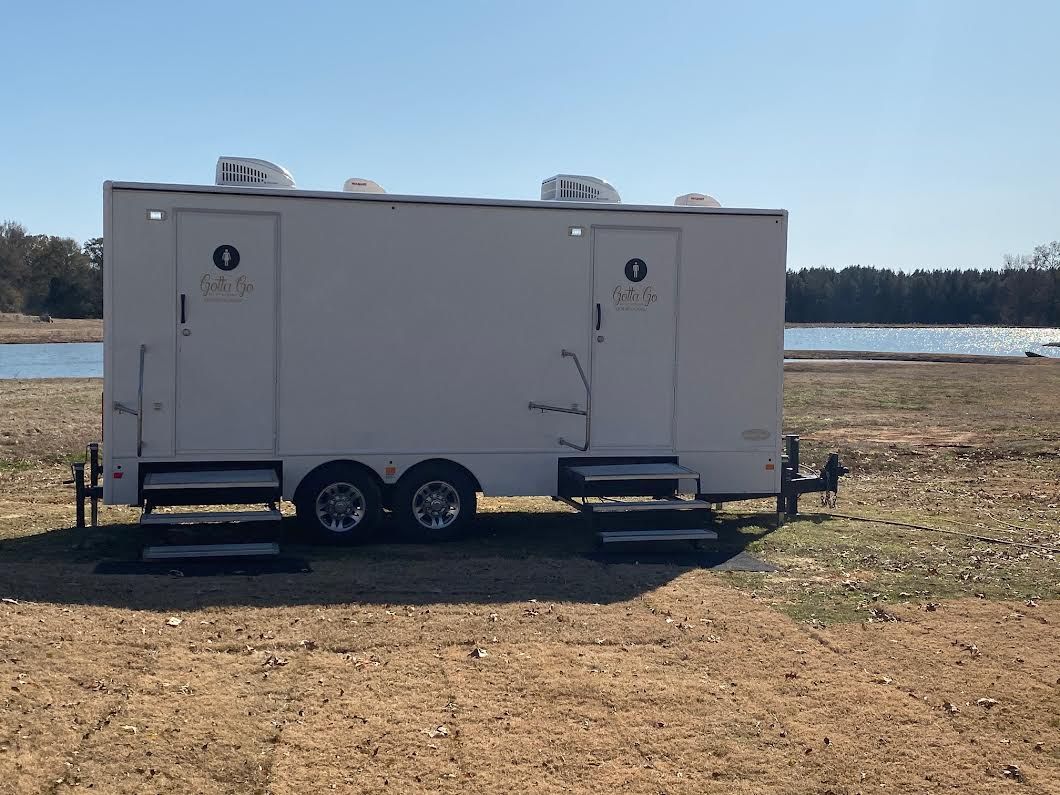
x: 355, y: 352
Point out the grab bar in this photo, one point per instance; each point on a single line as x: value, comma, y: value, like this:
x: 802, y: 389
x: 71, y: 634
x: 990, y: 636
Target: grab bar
x: 542, y: 407
x: 137, y: 412
x: 140, y: 406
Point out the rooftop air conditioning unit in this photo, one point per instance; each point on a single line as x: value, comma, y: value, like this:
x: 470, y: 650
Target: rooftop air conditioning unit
x: 251, y: 172
x: 571, y: 187
x: 359, y: 185
x: 696, y: 200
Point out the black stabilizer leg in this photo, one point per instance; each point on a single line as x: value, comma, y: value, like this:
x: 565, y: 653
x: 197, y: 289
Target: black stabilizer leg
x: 79, y: 492
x: 791, y: 507
x: 93, y: 479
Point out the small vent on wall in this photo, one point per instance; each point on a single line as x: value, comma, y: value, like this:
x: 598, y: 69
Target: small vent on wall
x: 572, y: 187
x: 250, y: 171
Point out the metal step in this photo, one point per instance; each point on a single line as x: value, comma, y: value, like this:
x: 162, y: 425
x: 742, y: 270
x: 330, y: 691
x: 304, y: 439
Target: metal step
x: 209, y: 551
x: 210, y: 517
x: 212, y: 479
x: 698, y: 534
x: 650, y: 505
x: 595, y: 473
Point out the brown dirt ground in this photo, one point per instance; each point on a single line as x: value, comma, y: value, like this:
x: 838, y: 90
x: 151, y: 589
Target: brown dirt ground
x: 27, y: 328
x: 856, y: 668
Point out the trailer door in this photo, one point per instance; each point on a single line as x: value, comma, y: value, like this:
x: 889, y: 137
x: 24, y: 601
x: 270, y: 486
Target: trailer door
x: 226, y: 315
x: 634, y: 327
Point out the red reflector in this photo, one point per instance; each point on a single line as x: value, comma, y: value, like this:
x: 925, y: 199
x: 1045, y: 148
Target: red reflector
x: 117, y: 475
x: 770, y: 466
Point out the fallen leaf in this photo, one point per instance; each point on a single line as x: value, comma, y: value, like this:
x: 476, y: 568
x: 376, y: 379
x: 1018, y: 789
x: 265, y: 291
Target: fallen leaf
x: 173, y: 621
x: 440, y: 731
x: 882, y: 615
x: 130, y: 729
x: 1013, y: 772
x: 478, y: 653
x: 272, y: 661
x: 9, y: 600
x: 986, y: 702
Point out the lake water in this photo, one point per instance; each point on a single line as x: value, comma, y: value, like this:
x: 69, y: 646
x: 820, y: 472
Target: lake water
x: 52, y: 360
x: 990, y: 341
x: 85, y: 359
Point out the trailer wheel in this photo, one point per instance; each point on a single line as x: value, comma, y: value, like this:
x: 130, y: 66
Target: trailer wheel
x: 339, y: 504
x: 435, y: 502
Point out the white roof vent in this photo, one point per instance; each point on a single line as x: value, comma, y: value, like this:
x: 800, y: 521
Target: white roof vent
x: 696, y: 200
x: 572, y: 187
x: 359, y: 185
x: 249, y: 171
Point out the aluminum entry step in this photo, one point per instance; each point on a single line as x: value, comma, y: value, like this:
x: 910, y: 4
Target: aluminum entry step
x: 212, y: 479
x: 595, y: 473
x: 209, y: 517
x: 209, y: 551
x: 619, y: 506
x: 698, y: 534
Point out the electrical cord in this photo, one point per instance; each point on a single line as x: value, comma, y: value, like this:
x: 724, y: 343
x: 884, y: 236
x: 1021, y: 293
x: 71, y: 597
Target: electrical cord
x: 910, y: 525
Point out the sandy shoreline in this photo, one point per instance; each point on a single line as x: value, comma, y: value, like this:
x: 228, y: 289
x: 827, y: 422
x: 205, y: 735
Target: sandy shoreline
x: 30, y: 329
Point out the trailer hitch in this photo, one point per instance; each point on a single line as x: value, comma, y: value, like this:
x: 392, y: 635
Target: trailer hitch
x: 795, y: 482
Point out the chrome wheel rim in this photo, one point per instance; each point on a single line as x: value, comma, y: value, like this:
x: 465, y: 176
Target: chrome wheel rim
x: 340, y: 507
x: 436, y: 505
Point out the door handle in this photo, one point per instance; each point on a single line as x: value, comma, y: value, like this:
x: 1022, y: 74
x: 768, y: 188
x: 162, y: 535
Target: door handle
x: 183, y: 299
x: 598, y: 317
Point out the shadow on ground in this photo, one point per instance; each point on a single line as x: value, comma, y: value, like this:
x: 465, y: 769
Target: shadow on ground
x: 509, y: 556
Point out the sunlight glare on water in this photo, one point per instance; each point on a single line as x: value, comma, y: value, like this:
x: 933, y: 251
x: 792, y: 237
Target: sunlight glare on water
x: 989, y: 341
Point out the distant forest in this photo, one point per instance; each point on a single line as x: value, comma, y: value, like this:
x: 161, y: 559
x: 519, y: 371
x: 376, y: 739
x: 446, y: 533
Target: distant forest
x: 45, y: 275
x: 41, y: 274
x: 1025, y: 291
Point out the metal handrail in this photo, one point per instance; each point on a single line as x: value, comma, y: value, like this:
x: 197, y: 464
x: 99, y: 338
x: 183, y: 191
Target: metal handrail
x: 542, y: 407
x: 138, y: 412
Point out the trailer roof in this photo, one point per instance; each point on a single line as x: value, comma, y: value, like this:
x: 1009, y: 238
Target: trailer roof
x: 296, y: 193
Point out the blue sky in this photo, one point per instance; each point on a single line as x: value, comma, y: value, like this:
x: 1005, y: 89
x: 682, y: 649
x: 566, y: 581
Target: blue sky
x: 902, y: 134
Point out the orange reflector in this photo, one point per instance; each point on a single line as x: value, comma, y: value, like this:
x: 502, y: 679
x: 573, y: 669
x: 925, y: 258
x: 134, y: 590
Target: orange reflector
x: 390, y: 470
x: 770, y: 466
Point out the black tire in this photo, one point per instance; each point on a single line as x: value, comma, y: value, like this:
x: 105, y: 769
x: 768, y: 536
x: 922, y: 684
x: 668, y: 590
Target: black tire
x: 350, y: 492
x: 423, y: 502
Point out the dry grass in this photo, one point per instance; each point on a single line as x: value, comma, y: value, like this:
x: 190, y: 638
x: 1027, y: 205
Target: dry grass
x: 855, y: 668
x: 28, y: 328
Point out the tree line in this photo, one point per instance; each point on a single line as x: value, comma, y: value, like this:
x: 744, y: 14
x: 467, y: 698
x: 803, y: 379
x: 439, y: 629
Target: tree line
x: 57, y: 276
x: 1025, y: 291
x: 47, y: 275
